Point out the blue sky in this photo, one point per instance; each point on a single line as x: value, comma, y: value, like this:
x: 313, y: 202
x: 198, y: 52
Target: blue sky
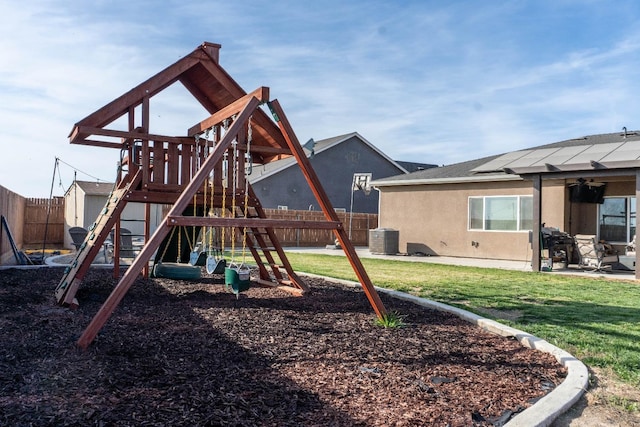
x: 428, y: 81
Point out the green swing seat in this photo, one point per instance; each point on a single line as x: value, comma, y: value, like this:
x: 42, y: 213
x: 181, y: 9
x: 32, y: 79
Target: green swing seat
x: 237, y: 277
x: 174, y: 270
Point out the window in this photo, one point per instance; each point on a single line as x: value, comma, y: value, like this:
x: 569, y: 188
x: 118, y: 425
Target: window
x: 617, y: 219
x: 501, y: 213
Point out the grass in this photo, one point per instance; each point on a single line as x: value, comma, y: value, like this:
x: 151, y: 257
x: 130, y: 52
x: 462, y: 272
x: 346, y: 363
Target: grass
x: 595, y: 319
x: 392, y: 319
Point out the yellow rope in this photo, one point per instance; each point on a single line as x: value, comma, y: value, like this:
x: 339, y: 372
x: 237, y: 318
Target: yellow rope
x: 246, y: 192
x: 173, y: 230
x: 224, y: 199
x: 179, y: 244
x: 233, y: 199
x: 244, y: 231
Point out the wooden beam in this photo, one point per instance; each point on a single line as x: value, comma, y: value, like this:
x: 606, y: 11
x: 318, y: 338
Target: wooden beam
x: 168, y: 198
x: 327, y: 208
x: 198, y: 94
x: 212, y: 49
x: 290, y: 289
x: 264, y: 125
x: 251, y: 222
x: 133, y: 97
x: 103, y: 144
x: 90, y: 130
x: 262, y: 93
x: 536, y: 247
x: 162, y: 231
x: 265, y: 150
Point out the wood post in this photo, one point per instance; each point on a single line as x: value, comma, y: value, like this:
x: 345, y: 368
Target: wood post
x: 536, y: 246
x: 637, y: 264
x: 327, y: 208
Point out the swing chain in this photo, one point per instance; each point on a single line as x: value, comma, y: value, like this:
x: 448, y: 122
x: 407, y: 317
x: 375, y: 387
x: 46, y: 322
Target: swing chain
x: 246, y: 190
x: 248, y: 160
x: 166, y: 248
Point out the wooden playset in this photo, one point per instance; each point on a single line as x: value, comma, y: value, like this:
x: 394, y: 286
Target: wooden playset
x: 203, y: 175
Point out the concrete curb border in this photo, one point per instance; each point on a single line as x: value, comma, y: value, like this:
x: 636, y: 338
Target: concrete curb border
x: 549, y: 407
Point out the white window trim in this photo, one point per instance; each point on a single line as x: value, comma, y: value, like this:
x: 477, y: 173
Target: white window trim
x: 484, y: 198
x: 627, y: 219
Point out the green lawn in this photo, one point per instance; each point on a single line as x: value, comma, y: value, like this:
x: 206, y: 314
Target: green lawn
x: 595, y: 319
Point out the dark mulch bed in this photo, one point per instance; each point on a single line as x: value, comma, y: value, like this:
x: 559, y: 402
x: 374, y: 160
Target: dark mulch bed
x: 185, y: 354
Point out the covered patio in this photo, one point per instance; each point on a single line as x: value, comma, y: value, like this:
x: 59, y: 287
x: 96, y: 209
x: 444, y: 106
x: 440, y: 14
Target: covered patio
x: 601, y: 187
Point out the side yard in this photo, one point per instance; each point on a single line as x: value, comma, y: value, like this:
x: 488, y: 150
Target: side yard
x: 595, y: 319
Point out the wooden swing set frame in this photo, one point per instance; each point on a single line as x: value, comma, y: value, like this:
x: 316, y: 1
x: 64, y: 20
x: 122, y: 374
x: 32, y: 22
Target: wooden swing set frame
x: 170, y: 170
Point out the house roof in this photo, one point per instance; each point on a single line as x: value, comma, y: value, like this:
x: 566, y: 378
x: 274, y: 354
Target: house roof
x: 93, y: 188
x: 269, y: 169
x: 415, y: 166
x: 585, y: 153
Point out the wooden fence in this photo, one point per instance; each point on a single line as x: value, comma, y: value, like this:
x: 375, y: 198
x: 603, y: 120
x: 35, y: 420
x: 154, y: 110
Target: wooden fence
x: 12, y: 207
x: 361, y: 223
x: 36, y: 222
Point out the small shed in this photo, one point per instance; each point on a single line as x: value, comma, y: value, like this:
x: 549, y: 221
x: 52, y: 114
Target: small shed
x: 84, y: 200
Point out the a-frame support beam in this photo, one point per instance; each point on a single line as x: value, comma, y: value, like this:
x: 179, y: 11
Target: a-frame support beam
x: 327, y: 208
x: 107, y: 308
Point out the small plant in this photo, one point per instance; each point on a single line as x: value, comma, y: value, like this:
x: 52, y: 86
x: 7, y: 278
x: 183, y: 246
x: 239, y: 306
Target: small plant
x: 390, y: 320
x: 625, y: 404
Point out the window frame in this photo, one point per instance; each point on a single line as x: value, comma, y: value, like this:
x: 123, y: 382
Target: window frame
x: 629, y: 215
x: 519, y: 211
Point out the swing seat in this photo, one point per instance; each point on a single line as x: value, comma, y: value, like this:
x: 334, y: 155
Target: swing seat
x: 215, y: 266
x: 173, y: 270
x: 238, y: 277
x: 199, y: 259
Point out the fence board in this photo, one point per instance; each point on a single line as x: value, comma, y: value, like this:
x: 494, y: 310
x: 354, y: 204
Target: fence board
x: 35, y: 221
x: 12, y: 207
x: 361, y: 223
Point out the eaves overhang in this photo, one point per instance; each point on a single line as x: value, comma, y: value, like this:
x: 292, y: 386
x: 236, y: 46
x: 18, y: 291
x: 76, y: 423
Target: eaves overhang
x: 586, y: 168
x: 451, y: 180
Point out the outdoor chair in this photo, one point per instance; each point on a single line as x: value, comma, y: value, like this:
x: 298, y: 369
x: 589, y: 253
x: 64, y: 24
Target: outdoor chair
x: 126, y: 245
x: 78, y: 235
x: 595, y: 255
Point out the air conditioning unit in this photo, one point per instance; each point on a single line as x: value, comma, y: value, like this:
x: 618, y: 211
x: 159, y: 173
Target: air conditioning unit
x: 384, y: 241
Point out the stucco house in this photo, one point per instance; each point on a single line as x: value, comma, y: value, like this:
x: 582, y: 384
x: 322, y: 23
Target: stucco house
x: 489, y: 207
x: 280, y: 184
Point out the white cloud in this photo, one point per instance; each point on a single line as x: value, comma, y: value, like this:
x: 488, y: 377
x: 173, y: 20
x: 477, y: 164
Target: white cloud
x: 427, y: 81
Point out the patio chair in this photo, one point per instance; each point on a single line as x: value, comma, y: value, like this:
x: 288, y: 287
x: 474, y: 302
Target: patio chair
x: 126, y: 245
x: 78, y: 235
x: 595, y: 255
